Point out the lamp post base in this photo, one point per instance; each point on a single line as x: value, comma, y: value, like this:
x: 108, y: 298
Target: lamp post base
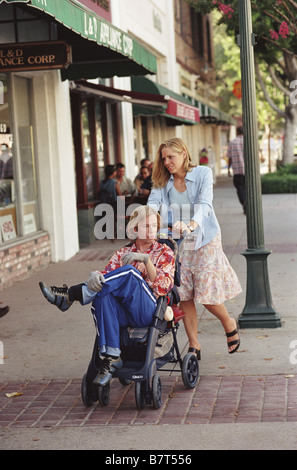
x: 258, y: 311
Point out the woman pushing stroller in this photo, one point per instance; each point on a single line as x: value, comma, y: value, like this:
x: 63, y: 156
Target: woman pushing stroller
x: 125, y: 293
x: 207, y: 277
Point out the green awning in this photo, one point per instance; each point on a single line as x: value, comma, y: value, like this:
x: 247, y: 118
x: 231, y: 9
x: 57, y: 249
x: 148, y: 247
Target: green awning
x: 212, y: 115
x: 118, y: 53
x: 177, y: 109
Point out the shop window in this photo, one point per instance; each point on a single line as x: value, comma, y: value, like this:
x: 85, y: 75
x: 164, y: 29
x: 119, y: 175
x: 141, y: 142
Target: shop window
x: 18, y: 24
x: 103, y: 4
x: 99, y: 140
x: 19, y: 215
x: 29, y: 31
x: 87, y: 152
x: 7, y: 34
x: 111, y: 132
x: 26, y: 156
x: 6, y: 13
x: 93, y: 146
x: 96, y: 144
x: 197, y: 32
x: 145, y: 143
x: 8, y: 221
x: 209, y: 51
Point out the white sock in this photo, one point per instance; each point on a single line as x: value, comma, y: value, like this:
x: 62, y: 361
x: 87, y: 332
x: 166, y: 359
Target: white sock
x: 168, y: 315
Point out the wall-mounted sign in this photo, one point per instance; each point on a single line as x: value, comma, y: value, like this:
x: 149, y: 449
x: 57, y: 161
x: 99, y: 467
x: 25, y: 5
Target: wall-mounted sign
x: 7, y: 227
x: 29, y: 224
x: 34, y: 56
x: 182, y: 110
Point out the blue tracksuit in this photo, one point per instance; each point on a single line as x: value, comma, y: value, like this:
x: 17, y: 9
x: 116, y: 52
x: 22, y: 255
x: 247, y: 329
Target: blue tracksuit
x: 125, y: 300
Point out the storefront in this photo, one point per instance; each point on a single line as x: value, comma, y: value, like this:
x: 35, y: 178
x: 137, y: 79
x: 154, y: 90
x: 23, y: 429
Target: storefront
x: 97, y: 143
x: 43, y: 44
x: 201, y: 123
x: 154, y: 124
x: 97, y: 132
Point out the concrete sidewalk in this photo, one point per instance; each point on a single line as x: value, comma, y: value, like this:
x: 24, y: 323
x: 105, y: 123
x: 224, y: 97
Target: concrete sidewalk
x: 242, y: 401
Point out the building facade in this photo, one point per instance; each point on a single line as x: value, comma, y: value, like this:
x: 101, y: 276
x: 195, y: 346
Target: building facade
x: 44, y: 46
x: 84, y: 84
x: 182, y: 41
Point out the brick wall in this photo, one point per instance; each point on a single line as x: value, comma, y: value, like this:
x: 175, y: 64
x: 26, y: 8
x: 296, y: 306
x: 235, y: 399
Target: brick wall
x: 19, y: 260
x: 193, y: 42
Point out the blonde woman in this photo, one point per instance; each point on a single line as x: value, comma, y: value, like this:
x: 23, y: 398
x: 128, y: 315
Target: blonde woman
x: 184, y: 192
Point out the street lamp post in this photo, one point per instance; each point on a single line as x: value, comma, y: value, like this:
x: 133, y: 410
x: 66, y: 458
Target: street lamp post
x: 258, y: 311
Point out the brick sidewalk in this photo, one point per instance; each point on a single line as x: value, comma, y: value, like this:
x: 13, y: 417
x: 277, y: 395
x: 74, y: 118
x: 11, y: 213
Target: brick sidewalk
x: 229, y: 399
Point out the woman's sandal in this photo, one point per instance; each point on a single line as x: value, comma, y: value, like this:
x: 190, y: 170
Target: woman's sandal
x: 195, y: 351
x: 234, y: 342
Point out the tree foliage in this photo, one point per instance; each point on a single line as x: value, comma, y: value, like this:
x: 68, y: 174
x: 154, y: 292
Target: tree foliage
x: 227, y: 60
x: 275, y: 27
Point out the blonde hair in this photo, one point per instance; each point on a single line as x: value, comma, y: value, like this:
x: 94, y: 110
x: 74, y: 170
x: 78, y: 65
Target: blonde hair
x: 139, y: 215
x: 160, y: 174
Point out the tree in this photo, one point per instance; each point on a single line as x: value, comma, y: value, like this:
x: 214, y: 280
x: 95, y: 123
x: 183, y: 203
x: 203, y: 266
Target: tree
x: 227, y: 60
x: 275, y: 26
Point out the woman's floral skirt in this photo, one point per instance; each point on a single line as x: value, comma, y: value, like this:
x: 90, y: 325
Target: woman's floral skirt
x: 207, y: 276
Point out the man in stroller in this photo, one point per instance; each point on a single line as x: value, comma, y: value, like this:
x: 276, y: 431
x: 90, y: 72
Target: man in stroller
x: 125, y: 293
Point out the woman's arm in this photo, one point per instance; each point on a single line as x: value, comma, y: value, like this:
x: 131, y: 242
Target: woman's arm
x: 203, y: 198
x: 155, y: 199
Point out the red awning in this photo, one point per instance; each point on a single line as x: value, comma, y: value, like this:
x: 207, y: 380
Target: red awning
x: 182, y: 110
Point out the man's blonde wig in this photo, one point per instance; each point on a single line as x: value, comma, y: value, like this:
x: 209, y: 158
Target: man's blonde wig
x: 138, y: 216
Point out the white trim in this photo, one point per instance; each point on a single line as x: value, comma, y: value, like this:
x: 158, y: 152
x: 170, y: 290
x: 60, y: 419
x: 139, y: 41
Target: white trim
x: 144, y: 284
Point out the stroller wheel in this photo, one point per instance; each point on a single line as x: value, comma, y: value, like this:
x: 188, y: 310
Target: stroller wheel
x: 103, y: 394
x: 88, y: 392
x: 157, y: 392
x: 125, y: 382
x: 140, y: 395
x: 190, y: 370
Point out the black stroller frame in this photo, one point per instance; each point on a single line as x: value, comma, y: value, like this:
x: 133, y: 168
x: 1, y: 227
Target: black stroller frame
x: 139, y: 362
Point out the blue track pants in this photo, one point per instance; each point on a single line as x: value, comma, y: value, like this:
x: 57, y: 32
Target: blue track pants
x: 125, y: 300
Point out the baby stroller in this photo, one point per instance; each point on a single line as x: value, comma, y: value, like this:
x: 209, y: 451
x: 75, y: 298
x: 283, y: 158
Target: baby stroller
x: 144, y: 352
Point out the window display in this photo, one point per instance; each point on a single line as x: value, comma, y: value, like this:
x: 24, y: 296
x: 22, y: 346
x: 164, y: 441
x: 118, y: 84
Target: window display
x: 19, y: 215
